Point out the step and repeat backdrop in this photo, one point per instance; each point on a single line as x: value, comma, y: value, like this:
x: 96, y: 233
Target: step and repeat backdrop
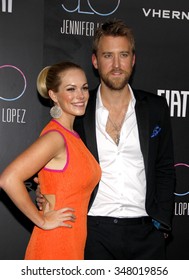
x: 36, y: 33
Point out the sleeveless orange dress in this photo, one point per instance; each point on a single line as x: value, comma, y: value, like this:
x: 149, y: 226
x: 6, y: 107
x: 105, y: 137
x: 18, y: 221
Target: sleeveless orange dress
x: 72, y: 187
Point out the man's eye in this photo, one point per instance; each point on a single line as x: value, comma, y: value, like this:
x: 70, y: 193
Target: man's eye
x: 107, y: 55
x: 124, y: 54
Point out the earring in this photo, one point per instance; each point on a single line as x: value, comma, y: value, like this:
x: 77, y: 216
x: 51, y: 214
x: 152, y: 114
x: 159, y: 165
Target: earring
x: 55, y: 112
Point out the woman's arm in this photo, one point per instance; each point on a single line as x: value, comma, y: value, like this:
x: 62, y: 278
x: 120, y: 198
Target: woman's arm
x: 24, y: 167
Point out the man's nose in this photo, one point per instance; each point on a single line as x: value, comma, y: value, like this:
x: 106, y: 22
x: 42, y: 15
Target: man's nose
x: 116, y: 61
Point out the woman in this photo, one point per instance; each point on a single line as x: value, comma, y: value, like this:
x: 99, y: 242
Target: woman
x: 67, y: 171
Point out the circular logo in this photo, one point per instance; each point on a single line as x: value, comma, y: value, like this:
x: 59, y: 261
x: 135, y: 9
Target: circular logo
x: 182, y: 173
x: 96, y: 9
x: 94, y: 6
x: 12, y: 81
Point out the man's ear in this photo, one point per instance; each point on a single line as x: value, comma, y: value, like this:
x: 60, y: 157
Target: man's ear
x: 94, y: 61
x: 134, y: 59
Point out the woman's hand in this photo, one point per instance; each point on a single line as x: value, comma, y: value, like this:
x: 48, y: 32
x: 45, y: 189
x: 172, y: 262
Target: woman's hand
x: 53, y: 218
x: 57, y: 218
x: 40, y: 199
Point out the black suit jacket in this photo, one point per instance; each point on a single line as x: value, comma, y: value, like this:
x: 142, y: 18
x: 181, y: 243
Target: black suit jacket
x: 155, y: 137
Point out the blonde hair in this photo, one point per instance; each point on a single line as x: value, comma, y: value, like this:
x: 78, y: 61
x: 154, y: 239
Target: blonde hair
x: 41, y: 82
x: 50, y: 79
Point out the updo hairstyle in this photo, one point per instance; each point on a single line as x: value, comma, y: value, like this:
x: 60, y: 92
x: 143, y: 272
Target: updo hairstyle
x: 50, y: 79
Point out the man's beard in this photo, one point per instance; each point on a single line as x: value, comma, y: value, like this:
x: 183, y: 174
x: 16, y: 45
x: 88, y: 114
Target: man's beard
x: 115, y: 83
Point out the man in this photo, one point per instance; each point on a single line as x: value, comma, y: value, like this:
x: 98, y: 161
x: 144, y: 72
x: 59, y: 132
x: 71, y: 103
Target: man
x: 129, y: 133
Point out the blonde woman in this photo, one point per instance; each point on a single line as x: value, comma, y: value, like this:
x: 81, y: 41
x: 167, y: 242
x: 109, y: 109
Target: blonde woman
x: 68, y: 172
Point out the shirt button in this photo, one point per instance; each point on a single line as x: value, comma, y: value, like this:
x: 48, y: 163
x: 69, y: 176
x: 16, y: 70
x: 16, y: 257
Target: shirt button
x: 115, y: 221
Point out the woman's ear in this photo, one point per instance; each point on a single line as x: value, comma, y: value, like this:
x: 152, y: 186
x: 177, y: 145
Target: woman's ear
x: 52, y: 96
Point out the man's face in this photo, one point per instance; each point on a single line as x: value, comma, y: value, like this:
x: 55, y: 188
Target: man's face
x: 114, y: 61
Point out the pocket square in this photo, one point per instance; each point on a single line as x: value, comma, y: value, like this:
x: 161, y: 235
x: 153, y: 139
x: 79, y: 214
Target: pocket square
x: 156, y: 131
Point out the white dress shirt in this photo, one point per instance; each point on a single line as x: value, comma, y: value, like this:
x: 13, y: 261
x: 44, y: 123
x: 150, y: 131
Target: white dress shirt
x: 122, y: 189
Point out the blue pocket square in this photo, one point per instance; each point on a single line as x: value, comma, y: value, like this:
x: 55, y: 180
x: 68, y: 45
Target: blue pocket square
x: 156, y: 131
x: 156, y: 224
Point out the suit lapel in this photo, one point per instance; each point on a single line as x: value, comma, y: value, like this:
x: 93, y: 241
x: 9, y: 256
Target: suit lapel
x: 90, y: 125
x: 142, y: 115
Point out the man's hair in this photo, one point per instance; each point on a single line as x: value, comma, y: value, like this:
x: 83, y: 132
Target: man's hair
x: 115, y: 28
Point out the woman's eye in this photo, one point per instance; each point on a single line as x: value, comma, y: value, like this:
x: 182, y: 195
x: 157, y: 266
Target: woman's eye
x: 85, y: 88
x: 71, y: 89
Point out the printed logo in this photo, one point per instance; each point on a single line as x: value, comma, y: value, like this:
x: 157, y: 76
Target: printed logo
x: 182, y: 204
x: 177, y: 101
x: 91, y: 7
x: 11, y: 77
x: 6, y: 6
x: 166, y: 14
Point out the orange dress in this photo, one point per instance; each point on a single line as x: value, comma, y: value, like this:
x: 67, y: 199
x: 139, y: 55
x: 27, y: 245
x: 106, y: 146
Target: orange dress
x: 72, y: 187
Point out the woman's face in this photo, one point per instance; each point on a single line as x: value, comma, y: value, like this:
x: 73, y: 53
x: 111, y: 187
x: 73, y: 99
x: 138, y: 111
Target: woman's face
x: 73, y: 93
